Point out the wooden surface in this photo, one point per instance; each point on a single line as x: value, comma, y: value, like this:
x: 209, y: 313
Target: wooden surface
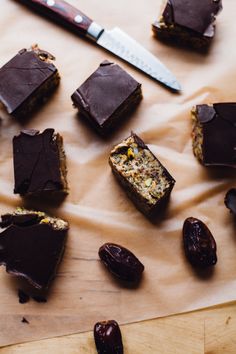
x: 210, y: 331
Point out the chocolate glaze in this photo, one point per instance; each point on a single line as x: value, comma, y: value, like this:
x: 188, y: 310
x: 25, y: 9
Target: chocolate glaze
x: 197, y: 15
x: 36, y: 162
x: 20, y: 220
x: 104, y: 92
x: 22, y: 76
x: 219, y: 133
x: 32, y: 252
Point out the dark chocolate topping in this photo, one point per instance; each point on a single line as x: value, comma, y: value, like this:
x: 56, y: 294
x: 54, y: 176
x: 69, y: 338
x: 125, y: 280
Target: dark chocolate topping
x: 23, y: 297
x: 219, y: 133
x: 32, y: 252
x: 196, y: 15
x: 104, y: 91
x: 20, y: 219
x: 36, y: 162
x: 205, y: 113
x: 22, y: 76
x: 226, y: 111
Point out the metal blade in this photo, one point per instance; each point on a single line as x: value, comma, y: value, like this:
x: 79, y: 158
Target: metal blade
x: 120, y: 44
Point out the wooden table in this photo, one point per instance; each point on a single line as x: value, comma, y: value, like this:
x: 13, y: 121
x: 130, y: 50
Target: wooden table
x: 210, y: 331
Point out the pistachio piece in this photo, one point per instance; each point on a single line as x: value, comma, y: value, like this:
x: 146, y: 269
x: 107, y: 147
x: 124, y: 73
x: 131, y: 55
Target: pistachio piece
x: 130, y: 153
x: 148, y: 182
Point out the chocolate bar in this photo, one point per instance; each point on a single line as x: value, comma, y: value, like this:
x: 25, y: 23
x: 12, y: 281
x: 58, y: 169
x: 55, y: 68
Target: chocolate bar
x: 27, y: 80
x: 32, y: 245
x: 145, y: 180
x: 214, y: 134
x: 188, y: 22
x: 39, y: 163
x: 107, y: 96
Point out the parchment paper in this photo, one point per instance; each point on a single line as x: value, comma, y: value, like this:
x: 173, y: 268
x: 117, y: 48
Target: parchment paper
x: 97, y: 208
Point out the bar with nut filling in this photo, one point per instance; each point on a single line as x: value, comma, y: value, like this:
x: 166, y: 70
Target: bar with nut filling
x: 214, y: 134
x: 27, y: 80
x: 145, y: 180
x: 39, y: 163
x: 188, y: 22
x: 32, y: 245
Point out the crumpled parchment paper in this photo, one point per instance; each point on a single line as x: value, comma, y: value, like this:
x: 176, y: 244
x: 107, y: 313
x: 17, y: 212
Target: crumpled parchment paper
x: 97, y: 208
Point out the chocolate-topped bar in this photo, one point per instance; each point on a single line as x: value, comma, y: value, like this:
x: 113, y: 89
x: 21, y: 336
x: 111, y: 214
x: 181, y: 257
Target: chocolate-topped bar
x: 107, y: 96
x: 39, y: 163
x: 214, y: 134
x: 145, y: 180
x: 27, y: 80
x: 188, y: 22
x: 32, y: 245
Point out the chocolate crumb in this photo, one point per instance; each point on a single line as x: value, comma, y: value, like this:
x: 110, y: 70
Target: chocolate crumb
x: 23, y: 297
x: 24, y: 320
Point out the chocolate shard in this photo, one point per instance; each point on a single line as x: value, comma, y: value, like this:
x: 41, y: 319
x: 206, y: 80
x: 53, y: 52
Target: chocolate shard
x: 27, y: 80
x: 39, y: 163
x: 145, y: 180
x: 33, y: 251
x: 107, y: 96
x: 188, y: 22
x: 23, y: 297
x: 230, y: 200
x: 214, y: 134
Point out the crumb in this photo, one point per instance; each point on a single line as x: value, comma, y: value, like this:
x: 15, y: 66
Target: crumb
x: 24, y: 320
x: 23, y: 297
x: 228, y: 319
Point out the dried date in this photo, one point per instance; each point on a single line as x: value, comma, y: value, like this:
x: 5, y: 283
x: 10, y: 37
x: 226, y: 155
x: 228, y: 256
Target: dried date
x: 108, y: 339
x: 199, y: 244
x: 121, y: 262
x: 230, y: 200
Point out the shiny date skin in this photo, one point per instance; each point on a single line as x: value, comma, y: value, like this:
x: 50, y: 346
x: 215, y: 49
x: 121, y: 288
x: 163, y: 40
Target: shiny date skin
x: 230, y: 200
x: 121, y: 262
x: 108, y: 339
x: 199, y: 244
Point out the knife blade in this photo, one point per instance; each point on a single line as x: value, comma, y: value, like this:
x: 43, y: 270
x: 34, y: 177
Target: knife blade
x: 115, y: 40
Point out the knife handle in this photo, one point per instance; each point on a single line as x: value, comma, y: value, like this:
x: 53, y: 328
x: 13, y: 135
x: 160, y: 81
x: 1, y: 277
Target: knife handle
x: 67, y: 15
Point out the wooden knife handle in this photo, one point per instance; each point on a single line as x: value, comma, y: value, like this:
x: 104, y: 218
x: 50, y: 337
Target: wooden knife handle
x: 63, y: 13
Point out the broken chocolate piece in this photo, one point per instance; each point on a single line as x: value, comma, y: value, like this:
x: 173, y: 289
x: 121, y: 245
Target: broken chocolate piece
x: 145, y: 180
x: 23, y: 297
x: 106, y: 96
x: 24, y: 320
x: 188, y: 22
x: 39, y: 163
x: 214, y: 134
x: 27, y: 80
x: 33, y: 251
x: 230, y: 200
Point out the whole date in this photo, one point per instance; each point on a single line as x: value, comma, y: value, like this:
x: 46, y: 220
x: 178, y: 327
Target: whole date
x: 199, y: 244
x: 121, y: 262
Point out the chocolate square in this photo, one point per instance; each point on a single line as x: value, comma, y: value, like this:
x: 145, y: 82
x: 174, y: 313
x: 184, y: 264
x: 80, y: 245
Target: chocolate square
x: 27, y: 80
x: 33, y: 249
x: 214, y: 134
x: 146, y: 181
x: 107, y: 96
x: 188, y: 22
x: 39, y: 163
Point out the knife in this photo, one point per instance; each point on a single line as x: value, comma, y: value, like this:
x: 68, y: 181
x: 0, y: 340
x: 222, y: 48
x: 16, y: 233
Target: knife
x: 115, y: 40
